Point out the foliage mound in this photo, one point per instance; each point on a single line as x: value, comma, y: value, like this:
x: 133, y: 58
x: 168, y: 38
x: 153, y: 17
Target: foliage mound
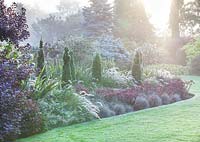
x: 63, y: 107
x: 154, y: 100
x: 153, y: 70
x: 195, y: 66
x: 192, y: 50
x: 141, y: 102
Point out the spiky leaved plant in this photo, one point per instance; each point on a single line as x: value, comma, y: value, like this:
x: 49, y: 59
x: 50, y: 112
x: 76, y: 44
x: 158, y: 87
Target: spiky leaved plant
x: 73, y: 70
x: 66, y: 73
x: 96, y: 68
x: 40, y: 60
x: 137, y: 67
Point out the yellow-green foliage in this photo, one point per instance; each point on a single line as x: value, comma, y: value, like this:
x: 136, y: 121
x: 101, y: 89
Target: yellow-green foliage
x: 192, y: 50
x: 137, y: 66
x: 73, y: 71
x: 173, y: 69
x: 40, y: 60
x: 96, y: 68
x: 66, y: 74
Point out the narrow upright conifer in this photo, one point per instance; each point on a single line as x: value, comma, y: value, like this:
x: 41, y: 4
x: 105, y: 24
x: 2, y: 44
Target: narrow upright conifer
x: 137, y: 67
x: 96, y: 68
x: 40, y: 60
x: 73, y: 70
x: 66, y: 73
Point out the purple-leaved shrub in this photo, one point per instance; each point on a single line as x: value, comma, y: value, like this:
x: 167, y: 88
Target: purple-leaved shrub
x: 19, y: 114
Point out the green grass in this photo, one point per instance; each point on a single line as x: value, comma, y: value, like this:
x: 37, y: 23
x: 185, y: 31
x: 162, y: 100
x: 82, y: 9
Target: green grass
x: 179, y: 122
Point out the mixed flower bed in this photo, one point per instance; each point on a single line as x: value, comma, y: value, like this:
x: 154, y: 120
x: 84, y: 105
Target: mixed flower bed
x: 38, y: 98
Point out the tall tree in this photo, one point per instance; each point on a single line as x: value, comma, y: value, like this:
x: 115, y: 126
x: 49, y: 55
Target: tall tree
x: 131, y: 20
x: 122, y: 18
x: 98, y: 18
x: 190, y: 18
x: 175, y: 16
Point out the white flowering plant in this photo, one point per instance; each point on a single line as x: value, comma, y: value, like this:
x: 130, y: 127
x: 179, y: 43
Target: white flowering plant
x: 122, y: 79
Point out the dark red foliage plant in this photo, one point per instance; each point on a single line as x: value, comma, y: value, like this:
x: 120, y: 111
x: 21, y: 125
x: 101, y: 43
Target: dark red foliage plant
x: 159, y: 87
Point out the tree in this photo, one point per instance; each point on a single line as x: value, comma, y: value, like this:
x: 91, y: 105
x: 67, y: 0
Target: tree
x: 98, y: 18
x: 66, y: 74
x: 96, y: 68
x: 69, y: 7
x: 131, y: 20
x: 50, y: 28
x: 190, y: 18
x: 175, y: 17
x: 13, y: 26
x: 55, y: 27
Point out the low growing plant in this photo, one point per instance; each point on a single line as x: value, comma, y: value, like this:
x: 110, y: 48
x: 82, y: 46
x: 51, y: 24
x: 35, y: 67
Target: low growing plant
x: 65, y: 107
x: 195, y: 66
x: 153, y: 70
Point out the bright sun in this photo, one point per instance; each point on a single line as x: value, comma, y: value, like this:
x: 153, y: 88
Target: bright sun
x: 158, y: 11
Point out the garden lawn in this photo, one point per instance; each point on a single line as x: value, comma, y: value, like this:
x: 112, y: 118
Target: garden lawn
x: 179, y: 122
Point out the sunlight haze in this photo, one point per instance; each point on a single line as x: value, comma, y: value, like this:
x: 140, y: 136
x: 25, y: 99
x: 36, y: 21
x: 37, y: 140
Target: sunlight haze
x: 158, y: 10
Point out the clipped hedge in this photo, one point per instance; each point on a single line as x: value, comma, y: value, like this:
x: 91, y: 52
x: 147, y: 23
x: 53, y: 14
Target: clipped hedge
x: 173, y: 69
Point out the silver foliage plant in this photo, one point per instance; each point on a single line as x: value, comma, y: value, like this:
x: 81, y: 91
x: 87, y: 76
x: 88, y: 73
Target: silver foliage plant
x: 112, y: 48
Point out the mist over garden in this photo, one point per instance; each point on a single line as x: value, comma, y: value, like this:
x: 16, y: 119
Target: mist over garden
x: 99, y: 71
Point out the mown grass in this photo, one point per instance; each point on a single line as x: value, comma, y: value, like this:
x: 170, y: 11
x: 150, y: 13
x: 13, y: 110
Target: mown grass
x: 179, y: 122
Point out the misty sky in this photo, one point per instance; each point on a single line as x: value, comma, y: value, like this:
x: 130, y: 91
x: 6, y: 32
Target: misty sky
x: 46, y: 5
x: 158, y: 10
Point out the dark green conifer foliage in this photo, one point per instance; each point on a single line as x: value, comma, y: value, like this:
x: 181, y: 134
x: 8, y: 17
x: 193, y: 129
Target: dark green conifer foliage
x: 98, y: 18
x: 137, y: 67
x: 175, y: 17
x: 73, y: 70
x: 131, y: 21
x: 40, y: 60
x: 66, y: 73
x: 96, y: 68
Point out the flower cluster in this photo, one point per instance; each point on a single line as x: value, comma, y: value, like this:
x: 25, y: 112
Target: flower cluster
x: 162, y: 73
